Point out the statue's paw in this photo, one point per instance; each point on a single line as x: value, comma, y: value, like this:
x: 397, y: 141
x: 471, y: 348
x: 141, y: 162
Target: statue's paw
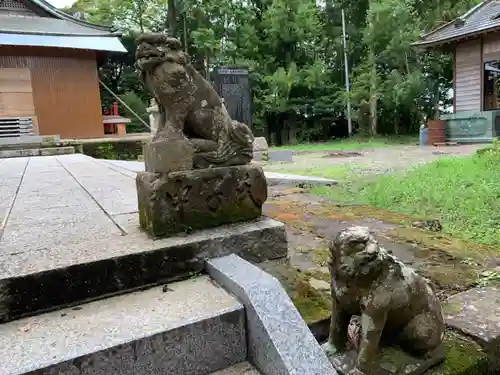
x: 329, y: 349
x: 356, y: 371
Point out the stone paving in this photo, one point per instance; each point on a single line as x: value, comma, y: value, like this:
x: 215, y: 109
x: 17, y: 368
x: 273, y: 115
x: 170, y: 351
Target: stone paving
x: 60, y: 210
x: 52, y: 203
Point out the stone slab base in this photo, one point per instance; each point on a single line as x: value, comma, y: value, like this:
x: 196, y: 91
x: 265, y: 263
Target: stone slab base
x: 177, y: 202
x: 142, y: 264
x: 192, y: 327
x: 476, y: 313
x: 390, y: 361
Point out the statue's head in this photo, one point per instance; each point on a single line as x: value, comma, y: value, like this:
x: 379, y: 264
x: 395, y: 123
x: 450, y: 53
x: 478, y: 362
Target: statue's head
x: 156, y: 48
x: 355, y: 253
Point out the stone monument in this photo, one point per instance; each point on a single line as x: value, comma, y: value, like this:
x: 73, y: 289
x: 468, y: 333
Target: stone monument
x: 233, y: 85
x: 198, y: 172
x: 397, y: 307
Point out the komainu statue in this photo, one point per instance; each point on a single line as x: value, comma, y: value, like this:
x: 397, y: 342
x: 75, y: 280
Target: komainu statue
x: 189, y: 105
x: 397, y: 306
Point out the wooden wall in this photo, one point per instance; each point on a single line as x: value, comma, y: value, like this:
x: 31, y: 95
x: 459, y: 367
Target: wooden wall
x: 491, y: 47
x: 65, y: 89
x: 468, y: 76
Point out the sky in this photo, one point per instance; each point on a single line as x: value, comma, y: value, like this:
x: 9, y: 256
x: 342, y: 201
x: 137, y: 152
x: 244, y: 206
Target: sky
x: 61, y: 3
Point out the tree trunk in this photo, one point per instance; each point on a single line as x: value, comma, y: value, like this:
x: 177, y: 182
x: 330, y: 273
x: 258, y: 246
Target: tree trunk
x: 396, y: 122
x: 373, y: 92
x: 373, y: 96
x: 172, y: 18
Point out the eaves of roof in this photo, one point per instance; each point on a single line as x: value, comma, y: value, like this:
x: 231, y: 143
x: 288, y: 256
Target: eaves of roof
x: 479, y: 20
x: 64, y: 16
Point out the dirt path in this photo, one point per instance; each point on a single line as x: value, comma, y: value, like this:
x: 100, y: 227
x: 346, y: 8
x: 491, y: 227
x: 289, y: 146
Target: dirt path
x: 376, y: 160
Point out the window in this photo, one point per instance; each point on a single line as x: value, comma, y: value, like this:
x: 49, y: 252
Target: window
x: 491, y: 88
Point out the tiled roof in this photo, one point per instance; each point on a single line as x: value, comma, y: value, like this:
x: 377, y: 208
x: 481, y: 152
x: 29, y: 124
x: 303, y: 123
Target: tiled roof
x: 482, y: 18
x: 45, y: 26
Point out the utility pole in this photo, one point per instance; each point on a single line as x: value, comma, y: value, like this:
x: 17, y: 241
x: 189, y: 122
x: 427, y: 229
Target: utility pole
x: 347, y: 84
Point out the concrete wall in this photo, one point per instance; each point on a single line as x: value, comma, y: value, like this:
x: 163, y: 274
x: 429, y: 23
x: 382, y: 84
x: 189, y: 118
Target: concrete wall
x: 468, y: 76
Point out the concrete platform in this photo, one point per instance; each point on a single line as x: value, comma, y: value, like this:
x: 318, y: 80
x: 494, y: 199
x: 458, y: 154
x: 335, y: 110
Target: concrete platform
x: 69, y: 233
x: 192, y: 327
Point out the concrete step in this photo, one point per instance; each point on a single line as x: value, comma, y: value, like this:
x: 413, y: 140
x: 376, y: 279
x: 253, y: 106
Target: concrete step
x: 28, y: 152
x: 70, y: 234
x: 190, y: 327
x: 243, y: 368
x: 84, y: 259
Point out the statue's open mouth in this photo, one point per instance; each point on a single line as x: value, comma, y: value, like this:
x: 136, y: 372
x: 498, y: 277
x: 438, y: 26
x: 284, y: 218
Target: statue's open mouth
x: 146, y: 55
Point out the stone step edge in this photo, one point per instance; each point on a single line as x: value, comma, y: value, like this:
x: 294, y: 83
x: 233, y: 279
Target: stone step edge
x: 178, y: 257
x: 244, y: 368
x: 279, y: 341
x: 193, y: 327
x: 47, y: 151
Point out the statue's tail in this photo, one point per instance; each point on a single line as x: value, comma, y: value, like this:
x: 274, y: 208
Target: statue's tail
x: 238, y: 149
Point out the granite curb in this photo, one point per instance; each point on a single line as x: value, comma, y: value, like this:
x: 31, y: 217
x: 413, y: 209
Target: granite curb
x: 279, y: 341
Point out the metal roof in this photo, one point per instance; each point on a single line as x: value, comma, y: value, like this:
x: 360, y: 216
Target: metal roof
x: 94, y: 43
x: 57, y: 30
x: 49, y: 8
x: 483, y: 18
x: 45, y: 26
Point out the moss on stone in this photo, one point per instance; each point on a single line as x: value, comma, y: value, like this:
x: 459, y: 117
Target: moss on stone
x: 113, y: 149
x: 430, y: 242
x: 320, y: 256
x: 313, y: 305
x: 230, y: 212
x: 463, y: 357
x: 451, y: 307
x: 319, y: 274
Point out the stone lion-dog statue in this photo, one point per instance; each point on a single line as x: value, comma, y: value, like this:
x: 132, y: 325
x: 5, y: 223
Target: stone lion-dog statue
x: 189, y: 105
x: 396, y: 304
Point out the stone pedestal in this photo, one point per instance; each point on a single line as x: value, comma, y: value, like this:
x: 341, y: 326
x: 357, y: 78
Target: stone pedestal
x: 390, y: 361
x: 168, y: 155
x: 183, y: 201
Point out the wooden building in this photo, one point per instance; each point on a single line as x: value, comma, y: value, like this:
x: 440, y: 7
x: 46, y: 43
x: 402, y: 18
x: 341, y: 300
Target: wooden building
x: 48, y: 69
x: 474, y: 41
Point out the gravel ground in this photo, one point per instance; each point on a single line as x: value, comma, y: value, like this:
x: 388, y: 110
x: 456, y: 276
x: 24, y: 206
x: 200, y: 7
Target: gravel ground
x: 377, y: 160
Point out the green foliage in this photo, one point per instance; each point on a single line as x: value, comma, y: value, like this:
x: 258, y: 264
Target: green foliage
x: 294, y: 53
x: 469, y: 212
x: 139, y: 107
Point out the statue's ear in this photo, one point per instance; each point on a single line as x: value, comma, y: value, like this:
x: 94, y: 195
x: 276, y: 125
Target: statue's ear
x: 173, y: 43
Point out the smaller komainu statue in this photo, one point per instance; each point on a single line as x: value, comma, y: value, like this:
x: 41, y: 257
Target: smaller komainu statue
x: 396, y: 305
x: 189, y: 104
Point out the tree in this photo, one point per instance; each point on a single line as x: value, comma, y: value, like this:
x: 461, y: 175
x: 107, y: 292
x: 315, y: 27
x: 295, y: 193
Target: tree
x: 293, y: 51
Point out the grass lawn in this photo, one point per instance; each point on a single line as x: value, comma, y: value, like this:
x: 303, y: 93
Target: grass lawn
x: 353, y: 143
x: 464, y: 193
